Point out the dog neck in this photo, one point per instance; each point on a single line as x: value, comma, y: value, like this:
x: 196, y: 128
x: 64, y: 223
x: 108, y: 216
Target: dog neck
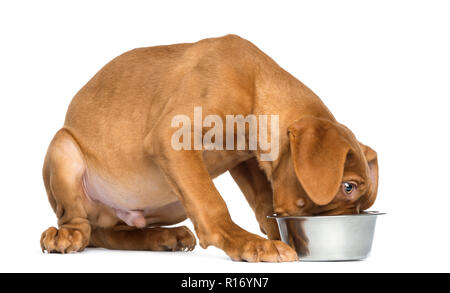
x: 277, y: 89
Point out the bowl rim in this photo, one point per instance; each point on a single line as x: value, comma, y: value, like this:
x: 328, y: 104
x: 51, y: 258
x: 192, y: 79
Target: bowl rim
x: 363, y: 214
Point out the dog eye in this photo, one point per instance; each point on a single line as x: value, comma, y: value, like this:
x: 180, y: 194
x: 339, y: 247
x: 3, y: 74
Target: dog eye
x: 348, y: 187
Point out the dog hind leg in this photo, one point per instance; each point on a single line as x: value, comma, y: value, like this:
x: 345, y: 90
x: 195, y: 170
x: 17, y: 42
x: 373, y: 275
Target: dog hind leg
x: 156, y: 239
x: 63, y: 174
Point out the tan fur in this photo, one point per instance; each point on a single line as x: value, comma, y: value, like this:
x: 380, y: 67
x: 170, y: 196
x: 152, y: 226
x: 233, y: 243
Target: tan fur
x: 114, y: 153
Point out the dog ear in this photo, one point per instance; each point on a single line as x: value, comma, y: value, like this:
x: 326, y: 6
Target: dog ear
x: 319, y: 151
x: 372, y: 161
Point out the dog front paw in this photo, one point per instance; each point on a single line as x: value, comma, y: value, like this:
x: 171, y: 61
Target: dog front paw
x: 256, y: 249
x: 64, y: 240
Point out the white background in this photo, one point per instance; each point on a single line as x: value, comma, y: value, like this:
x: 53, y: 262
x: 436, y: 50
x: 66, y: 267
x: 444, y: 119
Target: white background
x: 382, y: 67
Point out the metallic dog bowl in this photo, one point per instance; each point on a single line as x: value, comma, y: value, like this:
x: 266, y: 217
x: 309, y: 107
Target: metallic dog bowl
x: 329, y: 238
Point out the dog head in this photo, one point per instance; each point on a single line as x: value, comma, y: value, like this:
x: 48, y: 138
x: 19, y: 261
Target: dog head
x: 326, y: 172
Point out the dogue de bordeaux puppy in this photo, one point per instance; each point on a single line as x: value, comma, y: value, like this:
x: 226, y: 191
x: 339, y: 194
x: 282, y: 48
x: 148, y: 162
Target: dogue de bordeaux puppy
x: 114, y: 179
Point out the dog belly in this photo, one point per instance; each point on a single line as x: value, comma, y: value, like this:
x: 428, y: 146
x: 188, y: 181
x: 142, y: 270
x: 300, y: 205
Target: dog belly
x: 138, y: 200
x: 137, y: 192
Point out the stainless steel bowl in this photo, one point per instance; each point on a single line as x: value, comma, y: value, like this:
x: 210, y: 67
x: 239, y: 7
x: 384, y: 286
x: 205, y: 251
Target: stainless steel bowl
x: 329, y: 238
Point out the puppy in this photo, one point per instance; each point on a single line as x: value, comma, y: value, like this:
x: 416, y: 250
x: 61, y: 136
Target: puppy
x: 114, y: 178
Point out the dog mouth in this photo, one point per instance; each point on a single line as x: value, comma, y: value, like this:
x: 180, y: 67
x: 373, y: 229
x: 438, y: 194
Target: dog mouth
x: 333, y: 209
x: 336, y: 209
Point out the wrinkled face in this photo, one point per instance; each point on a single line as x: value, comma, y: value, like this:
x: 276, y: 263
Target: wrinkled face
x: 326, y: 172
